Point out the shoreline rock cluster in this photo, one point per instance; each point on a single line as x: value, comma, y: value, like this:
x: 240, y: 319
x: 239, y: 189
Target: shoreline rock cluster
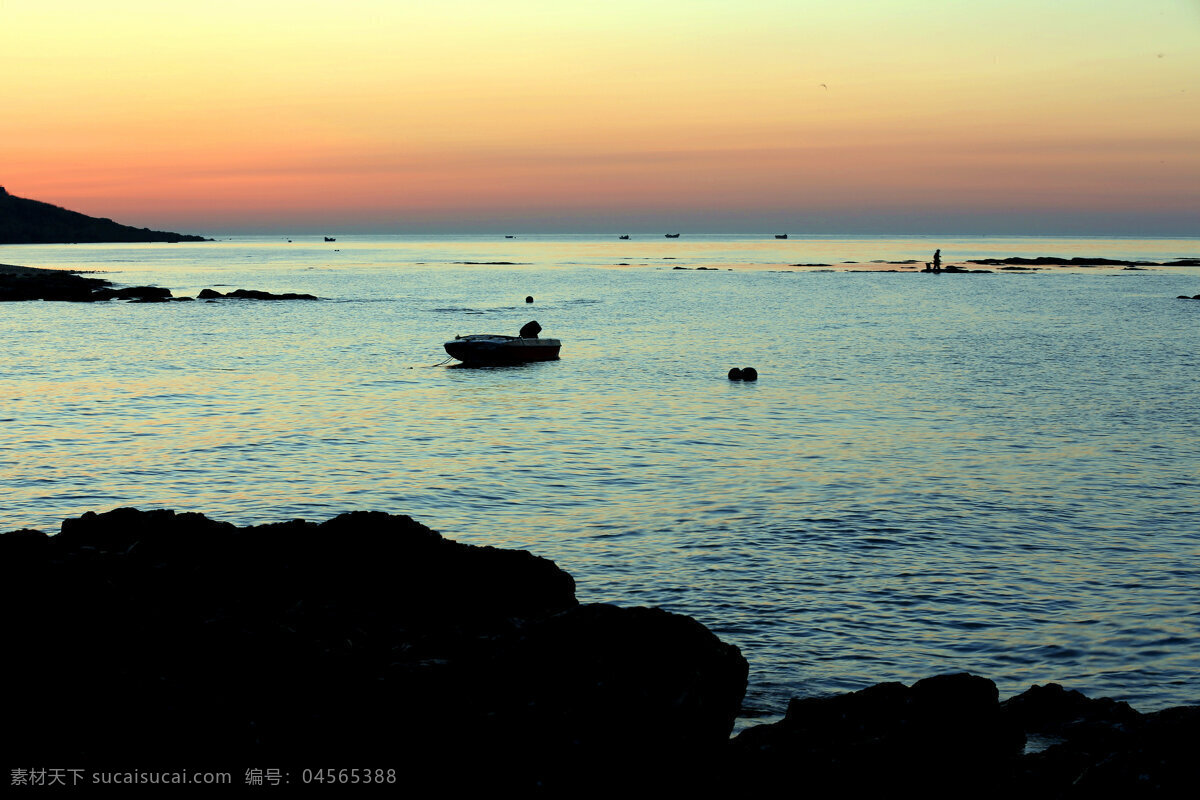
x: 251, y: 294
x: 1078, y: 261
x: 154, y: 638
x: 33, y: 283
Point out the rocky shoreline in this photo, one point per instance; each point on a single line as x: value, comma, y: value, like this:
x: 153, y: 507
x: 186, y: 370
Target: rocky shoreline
x: 35, y: 283
x: 155, y: 638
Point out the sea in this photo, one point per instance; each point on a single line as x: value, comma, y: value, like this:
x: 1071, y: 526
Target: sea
x: 933, y: 473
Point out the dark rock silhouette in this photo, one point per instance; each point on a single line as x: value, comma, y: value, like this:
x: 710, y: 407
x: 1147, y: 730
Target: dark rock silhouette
x: 948, y: 736
x: 366, y: 639
x: 941, y: 732
x: 141, y: 294
x: 158, y: 639
x: 1091, y: 261
x: 252, y: 294
x: 32, y: 283
x: 24, y: 221
x: 952, y: 269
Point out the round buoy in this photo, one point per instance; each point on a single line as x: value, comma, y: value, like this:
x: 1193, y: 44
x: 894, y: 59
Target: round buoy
x: 529, y: 299
x: 735, y: 374
x: 749, y: 374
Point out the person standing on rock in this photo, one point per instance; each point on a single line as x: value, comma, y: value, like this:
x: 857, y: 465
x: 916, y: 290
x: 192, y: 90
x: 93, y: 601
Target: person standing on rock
x: 937, y: 260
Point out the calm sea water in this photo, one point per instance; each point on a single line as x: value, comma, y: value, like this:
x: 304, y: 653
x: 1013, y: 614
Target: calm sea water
x: 993, y: 473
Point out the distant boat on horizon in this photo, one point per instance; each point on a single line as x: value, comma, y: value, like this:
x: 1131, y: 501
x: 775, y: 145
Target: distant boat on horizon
x: 672, y: 235
x: 330, y: 239
x: 781, y: 236
x: 623, y: 237
x: 506, y: 236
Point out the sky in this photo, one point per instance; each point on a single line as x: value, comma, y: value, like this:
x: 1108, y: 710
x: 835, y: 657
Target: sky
x: 456, y: 116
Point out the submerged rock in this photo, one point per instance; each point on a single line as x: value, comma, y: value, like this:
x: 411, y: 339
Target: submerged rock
x: 142, y: 294
x: 1080, y: 261
x: 951, y: 269
x: 253, y: 294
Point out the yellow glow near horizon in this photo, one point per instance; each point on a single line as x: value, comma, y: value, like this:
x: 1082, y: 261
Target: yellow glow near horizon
x: 228, y: 112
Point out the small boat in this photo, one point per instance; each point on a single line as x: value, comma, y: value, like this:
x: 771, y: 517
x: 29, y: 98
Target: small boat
x: 781, y: 236
x: 507, y: 236
x: 330, y: 239
x: 672, y: 235
x: 491, y: 348
x: 622, y: 237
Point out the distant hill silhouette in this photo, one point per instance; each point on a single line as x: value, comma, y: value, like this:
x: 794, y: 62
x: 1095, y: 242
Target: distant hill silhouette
x: 30, y: 222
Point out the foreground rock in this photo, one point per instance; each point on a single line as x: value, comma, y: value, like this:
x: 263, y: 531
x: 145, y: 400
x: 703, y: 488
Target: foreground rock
x: 949, y: 736
x: 140, y: 640
x: 369, y: 640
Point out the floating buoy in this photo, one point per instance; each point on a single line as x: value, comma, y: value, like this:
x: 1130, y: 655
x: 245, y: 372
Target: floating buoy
x: 529, y: 299
x: 749, y: 374
x: 735, y: 374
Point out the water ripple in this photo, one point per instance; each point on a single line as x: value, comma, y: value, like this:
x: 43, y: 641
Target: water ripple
x: 993, y: 477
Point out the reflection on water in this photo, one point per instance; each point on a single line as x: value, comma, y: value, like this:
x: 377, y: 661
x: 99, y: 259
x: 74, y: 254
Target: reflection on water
x: 992, y: 473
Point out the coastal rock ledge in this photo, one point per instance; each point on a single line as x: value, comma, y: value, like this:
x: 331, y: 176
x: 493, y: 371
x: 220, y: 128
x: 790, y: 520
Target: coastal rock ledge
x: 147, y: 638
x: 369, y: 640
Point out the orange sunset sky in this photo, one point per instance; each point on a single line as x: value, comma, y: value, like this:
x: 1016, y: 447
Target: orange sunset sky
x: 860, y: 116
